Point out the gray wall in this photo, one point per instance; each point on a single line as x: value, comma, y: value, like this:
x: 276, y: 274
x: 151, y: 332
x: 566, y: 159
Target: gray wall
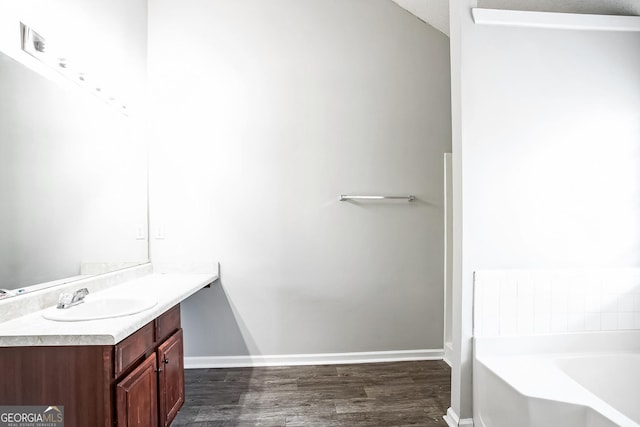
x: 262, y: 114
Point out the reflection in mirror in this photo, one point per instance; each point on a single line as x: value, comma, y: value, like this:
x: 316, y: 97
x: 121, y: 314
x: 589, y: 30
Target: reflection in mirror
x: 73, y: 183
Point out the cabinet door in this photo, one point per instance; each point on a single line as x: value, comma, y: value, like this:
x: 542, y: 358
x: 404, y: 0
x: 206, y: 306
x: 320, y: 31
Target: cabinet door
x: 170, y: 377
x: 137, y: 396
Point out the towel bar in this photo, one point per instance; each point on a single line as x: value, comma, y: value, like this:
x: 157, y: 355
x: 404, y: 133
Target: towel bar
x: 344, y: 197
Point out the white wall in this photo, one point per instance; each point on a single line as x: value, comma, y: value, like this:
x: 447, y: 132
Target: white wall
x: 74, y: 179
x: 264, y: 112
x: 552, y: 154
x: 545, y: 157
x: 462, y: 295
x: 448, y: 263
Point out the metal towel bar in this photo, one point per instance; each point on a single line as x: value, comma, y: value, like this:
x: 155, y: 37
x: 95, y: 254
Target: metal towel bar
x: 344, y: 197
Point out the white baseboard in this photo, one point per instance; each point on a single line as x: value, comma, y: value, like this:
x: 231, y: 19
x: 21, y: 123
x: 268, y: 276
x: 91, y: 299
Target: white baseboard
x: 311, y: 359
x: 453, y: 420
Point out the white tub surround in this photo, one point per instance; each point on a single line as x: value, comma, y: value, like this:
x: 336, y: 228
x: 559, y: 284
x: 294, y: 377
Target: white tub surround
x: 29, y: 328
x: 556, y: 348
x: 538, y: 302
x: 548, y: 381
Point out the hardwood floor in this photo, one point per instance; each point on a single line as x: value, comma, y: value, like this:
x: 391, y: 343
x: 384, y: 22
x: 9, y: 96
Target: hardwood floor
x: 375, y: 395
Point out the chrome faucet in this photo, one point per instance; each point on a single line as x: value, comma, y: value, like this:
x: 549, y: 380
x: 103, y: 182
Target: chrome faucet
x: 66, y: 300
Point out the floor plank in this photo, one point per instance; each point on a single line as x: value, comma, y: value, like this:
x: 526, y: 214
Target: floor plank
x: 396, y: 394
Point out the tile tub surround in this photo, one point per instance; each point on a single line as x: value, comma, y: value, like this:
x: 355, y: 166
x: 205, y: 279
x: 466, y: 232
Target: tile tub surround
x: 168, y: 289
x: 538, y: 302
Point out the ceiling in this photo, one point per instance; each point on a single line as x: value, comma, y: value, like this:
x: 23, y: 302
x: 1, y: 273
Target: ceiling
x: 433, y: 12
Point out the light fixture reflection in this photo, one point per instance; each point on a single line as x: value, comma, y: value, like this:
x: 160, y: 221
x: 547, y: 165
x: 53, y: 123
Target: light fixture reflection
x: 35, y: 45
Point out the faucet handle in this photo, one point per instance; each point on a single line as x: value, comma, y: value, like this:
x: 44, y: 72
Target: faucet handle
x: 64, y: 300
x: 79, y: 295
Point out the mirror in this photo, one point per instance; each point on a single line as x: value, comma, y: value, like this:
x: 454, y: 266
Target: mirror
x: 73, y: 183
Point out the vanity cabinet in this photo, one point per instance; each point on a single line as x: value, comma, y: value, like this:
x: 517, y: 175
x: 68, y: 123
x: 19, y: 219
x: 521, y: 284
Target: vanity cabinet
x: 170, y: 378
x: 137, y: 396
x: 138, y: 382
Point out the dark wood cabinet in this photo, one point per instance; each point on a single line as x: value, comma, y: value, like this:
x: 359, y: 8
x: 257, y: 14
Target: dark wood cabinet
x: 170, y: 378
x: 137, y: 396
x: 138, y: 382
x: 129, y: 351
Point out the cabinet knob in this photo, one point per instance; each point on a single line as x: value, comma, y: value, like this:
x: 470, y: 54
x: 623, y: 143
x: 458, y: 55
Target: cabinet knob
x: 165, y: 361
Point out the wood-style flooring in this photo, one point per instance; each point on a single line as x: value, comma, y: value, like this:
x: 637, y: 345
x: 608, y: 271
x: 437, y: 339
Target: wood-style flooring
x: 375, y: 395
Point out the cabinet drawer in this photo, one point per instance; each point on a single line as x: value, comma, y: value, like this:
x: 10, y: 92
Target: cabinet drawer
x: 168, y: 323
x: 133, y: 348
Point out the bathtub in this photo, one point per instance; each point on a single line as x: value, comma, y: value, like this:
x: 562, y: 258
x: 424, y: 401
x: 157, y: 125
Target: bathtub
x: 571, y: 380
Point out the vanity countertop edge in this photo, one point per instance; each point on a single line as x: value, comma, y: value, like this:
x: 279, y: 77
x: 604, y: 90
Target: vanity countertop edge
x: 168, y: 289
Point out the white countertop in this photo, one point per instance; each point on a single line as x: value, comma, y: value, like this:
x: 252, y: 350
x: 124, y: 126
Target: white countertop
x: 168, y: 289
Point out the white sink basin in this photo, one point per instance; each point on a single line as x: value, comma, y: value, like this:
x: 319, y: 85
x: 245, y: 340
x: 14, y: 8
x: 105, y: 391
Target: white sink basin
x: 100, y: 308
